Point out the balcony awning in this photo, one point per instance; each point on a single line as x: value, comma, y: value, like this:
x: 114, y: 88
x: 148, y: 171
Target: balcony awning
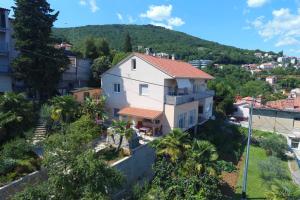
x: 140, y: 112
x: 183, y: 83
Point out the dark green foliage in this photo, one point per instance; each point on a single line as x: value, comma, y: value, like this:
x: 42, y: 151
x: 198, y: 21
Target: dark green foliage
x: 16, y: 149
x: 16, y: 115
x: 39, y: 64
x: 90, y: 50
x: 118, y: 57
x: 39, y: 191
x: 127, y: 44
x: 186, y: 47
x: 256, y: 88
x: 275, y: 145
x: 99, y: 66
x: 272, y: 168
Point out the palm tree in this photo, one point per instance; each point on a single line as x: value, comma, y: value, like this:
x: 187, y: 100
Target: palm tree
x: 202, y: 157
x: 283, y: 190
x: 120, y: 128
x: 64, y: 108
x: 173, y: 145
x: 94, y: 108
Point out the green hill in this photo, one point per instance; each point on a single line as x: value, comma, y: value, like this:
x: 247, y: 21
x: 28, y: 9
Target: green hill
x: 185, y: 46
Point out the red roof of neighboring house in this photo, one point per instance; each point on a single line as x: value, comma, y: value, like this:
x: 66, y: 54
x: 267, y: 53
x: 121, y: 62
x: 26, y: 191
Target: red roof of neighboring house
x: 175, y: 68
x: 285, y: 104
x: 139, y: 112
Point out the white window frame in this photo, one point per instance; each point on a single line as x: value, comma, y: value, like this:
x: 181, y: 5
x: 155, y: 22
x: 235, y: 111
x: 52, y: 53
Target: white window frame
x: 118, y: 87
x: 141, y: 90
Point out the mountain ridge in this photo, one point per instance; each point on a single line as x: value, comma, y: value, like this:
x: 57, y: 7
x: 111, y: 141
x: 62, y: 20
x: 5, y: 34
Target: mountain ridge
x: 185, y: 46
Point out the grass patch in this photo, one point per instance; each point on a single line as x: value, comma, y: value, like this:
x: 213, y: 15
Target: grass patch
x: 257, y: 187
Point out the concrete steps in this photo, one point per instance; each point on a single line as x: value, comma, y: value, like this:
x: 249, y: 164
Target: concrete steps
x: 39, y: 133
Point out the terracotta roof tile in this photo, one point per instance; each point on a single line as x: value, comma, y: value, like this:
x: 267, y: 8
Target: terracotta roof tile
x: 175, y: 68
x: 139, y: 112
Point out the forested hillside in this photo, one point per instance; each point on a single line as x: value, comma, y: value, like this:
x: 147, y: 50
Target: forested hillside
x: 185, y: 46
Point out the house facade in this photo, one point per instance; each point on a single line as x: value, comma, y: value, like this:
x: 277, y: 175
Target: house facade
x: 5, y: 51
x: 158, y: 94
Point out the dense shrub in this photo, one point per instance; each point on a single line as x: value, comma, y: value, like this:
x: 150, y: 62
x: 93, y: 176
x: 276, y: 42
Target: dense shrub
x: 272, y: 168
x: 275, y: 145
x: 16, y: 149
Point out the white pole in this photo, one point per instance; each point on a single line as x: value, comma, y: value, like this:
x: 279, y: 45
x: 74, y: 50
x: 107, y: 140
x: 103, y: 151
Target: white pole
x: 245, y: 176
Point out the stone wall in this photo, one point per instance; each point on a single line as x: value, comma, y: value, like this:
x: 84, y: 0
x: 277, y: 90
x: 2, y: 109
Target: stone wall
x: 19, y: 185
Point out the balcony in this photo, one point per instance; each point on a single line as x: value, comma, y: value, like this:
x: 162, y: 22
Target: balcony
x: 182, y: 99
x: 3, y: 48
x: 4, y: 69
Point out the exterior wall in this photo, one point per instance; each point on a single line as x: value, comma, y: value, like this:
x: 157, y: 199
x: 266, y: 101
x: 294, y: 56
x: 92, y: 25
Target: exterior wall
x: 242, y: 111
x: 137, y: 168
x: 130, y: 80
x: 275, y: 121
x: 5, y: 83
x: 172, y: 112
x: 5, y: 43
x: 93, y: 93
x: 207, y: 108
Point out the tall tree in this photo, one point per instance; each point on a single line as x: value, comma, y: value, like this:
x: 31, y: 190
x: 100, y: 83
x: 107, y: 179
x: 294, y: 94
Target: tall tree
x: 127, y: 44
x: 99, y: 66
x: 103, y: 48
x: 39, y: 64
x: 90, y: 51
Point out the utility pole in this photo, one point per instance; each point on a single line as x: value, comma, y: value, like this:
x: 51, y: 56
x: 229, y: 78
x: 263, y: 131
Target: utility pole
x: 245, y: 175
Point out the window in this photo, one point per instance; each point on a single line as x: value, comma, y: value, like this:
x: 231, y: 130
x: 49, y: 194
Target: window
x: 133, y: 64
x: 200, y: 110
x: 182, y: 120
x: 117, y: 87
x: 116, y: 110
x: 192, y: 117
x: 2, y: 20
x: 295, y: 143
x: 144, y: 89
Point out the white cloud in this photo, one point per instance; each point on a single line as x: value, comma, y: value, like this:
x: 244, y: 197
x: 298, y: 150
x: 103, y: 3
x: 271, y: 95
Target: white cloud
x: 175, y: 21
x: 82, y: 2
x: 283, y: 27
x: 162, y: 16
x: 287, y: 41
x: 158, y: 13
x: 120, y: 16
x: 92, y: 3
x: 131, y: 20
x: 256, y: 3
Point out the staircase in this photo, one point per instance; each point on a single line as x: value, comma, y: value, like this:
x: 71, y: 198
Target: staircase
x: 39, y: 133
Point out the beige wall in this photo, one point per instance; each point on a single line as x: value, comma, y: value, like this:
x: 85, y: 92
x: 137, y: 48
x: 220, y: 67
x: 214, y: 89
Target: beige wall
x: 130, y: 81
x: 172, y: 112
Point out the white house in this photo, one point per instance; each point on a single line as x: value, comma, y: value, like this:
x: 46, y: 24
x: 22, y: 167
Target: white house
x: 271, y: 80
x: 157, y: 94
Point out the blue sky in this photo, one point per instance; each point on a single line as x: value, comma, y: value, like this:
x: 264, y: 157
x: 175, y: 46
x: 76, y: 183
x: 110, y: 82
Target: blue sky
x: 252, y: 24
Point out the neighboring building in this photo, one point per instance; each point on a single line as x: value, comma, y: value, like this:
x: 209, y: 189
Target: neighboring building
x: 271, y: 80
x: 5, y: 51
x: 249, y: 66
x: 242, y: 106
x: 161, y: 94
x: 200, y: 63
x: 282, y: 116
x: 295, y: 93
x: 78, y: 73
x: 258, y: 54
x: 80, y: 94
x: 267, y: 66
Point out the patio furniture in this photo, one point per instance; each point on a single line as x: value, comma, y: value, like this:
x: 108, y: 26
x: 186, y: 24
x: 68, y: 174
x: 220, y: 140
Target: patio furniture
x: 144, y: 129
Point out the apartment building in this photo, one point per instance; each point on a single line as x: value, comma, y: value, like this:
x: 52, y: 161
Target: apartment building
x: 5, y: 49
x: 157, y: 94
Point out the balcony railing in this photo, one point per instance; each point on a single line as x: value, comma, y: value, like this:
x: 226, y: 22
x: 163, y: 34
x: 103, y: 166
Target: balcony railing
x: 3, y: 47
x: 4, y: 69
x: 182, y: 99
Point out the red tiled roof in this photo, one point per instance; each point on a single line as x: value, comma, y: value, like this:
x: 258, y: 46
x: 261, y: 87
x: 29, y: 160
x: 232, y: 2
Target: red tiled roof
x: 285, y: 104
x: 139, y: 112
x: 175, y: 68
